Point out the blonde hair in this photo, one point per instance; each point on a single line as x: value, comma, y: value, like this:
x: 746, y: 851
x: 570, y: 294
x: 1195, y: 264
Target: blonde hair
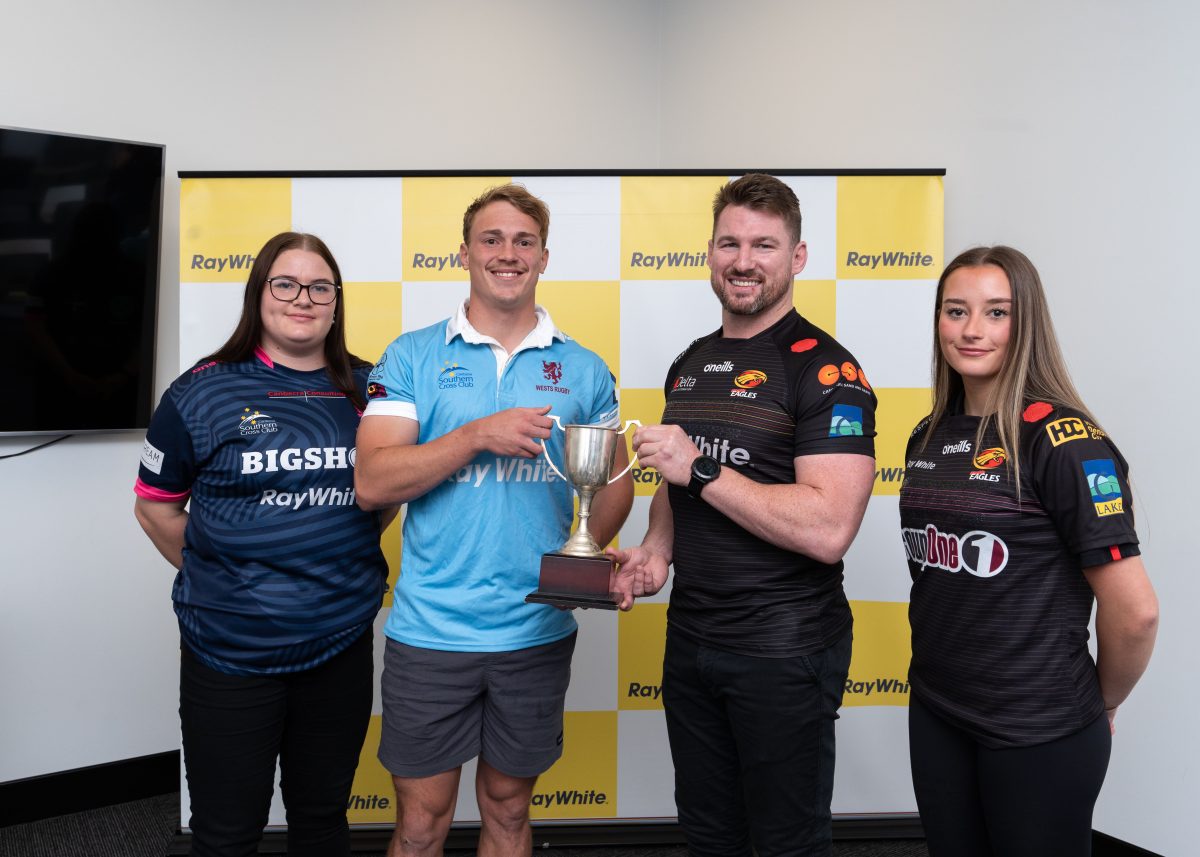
x: 1033, y: 370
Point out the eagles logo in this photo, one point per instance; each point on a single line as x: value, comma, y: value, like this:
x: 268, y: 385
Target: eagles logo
x: 990, y: 458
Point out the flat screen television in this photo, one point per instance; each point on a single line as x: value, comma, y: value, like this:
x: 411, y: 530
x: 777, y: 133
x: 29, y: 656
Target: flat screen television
x: 80, y: 234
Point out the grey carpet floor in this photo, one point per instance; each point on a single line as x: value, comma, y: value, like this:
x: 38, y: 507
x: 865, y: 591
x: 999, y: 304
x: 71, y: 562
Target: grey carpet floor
x: 145, y: 828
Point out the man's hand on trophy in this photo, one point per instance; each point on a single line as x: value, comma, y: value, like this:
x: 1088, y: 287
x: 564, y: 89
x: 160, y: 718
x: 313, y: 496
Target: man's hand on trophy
x: 514, y: 432
x: 668, y: 450
x: 640, y: 572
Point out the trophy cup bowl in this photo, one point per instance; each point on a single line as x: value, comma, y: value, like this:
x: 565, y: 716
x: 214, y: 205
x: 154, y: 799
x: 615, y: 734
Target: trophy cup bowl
x: 579, y: 574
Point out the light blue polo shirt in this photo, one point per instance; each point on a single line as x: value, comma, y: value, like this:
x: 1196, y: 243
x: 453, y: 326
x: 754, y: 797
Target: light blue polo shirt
x: 473, y: 545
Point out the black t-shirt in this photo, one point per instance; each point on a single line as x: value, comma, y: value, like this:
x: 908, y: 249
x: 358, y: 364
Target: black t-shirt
x: 999, y: 606
x: 755, y: 405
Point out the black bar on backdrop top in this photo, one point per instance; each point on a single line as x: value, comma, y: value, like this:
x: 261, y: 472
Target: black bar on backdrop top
x: 357, y: 174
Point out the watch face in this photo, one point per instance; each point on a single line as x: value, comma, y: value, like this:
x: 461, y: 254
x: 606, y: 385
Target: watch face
x: 706, y: 467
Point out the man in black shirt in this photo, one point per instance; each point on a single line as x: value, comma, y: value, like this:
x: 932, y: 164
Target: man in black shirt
x: 767, y: 456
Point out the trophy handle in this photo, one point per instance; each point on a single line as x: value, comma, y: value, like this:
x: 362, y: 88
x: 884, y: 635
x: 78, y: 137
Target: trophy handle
x: 550, y: 460
x: 633, y: 460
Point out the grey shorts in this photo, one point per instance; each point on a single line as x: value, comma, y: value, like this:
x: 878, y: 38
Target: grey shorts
x: 441, y: 709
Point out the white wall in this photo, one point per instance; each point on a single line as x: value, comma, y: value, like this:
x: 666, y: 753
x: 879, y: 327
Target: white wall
x: 1066, y: 129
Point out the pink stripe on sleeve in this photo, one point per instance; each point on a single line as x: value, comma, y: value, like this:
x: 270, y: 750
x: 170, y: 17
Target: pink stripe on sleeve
x: 149, y: 492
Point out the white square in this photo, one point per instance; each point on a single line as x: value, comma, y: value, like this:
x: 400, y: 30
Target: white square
x: 645, y: 773
x: 818, y: 223
x: 208, y: 313
x: 594, y: 666
x: 360, y: 219
x: 873, y: 777
x: 876, y: 569
x: 888, y: 327
x: 659, y: 319
x: 425, y: 303
x: 585, y: 225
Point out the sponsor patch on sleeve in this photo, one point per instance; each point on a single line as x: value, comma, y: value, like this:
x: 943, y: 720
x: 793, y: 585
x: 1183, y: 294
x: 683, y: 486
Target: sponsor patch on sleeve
x: 847, y: 420
x: 1105, y: 488
x: 376, y: 390
x: 152, y: 457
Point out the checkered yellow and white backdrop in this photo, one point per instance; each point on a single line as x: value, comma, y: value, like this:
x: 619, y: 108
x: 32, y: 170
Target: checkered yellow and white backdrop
x: 627, y: 278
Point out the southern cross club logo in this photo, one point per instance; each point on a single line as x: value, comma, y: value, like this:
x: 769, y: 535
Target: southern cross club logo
x: 552, y: 371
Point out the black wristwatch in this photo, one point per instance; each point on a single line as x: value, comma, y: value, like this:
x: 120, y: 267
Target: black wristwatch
x: 704, y: 470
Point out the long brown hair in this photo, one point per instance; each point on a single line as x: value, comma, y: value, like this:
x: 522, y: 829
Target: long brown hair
x: 247, y: 336
x: 1033, y: 370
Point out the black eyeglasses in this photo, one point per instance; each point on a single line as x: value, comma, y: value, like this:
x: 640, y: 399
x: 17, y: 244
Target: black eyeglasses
x: 287, y: 289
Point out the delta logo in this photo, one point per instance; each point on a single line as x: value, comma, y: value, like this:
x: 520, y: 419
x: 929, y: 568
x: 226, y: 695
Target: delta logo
x: 454, y: 377
x: 847, y: 421
x: 1105, y: 488
x: 256, y: 422
x: 830, y: 374
x: 683, y: 382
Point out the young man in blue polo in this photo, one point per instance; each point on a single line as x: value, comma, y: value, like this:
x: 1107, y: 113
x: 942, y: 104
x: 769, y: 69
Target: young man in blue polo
x: 454, y: 426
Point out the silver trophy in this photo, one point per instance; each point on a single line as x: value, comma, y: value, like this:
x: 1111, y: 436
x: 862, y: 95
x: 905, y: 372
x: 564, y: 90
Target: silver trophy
x: 578, y: 574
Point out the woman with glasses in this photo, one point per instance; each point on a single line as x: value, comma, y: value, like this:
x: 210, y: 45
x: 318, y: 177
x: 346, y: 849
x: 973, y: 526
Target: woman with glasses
x: 1016, y: 518
x: 246, y: 486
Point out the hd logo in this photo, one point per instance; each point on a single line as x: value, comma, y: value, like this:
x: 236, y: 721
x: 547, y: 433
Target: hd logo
x: 1102, y: 482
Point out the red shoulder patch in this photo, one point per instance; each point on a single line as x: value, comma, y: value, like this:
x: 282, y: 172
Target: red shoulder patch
x: 1037, y: 411
x: 803, y: 345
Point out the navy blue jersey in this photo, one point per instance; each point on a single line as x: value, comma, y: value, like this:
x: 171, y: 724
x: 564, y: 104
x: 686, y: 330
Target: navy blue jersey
x: 1000, y: 606
x: 281, y: 569
x: 756, y: 405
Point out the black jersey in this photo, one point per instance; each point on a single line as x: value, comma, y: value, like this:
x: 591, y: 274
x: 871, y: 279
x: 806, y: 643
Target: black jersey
x: 999, y: 606
x: 755, y: 405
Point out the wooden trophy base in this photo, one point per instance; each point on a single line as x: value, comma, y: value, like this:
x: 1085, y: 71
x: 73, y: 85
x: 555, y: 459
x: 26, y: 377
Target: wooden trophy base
x: 575, y: 581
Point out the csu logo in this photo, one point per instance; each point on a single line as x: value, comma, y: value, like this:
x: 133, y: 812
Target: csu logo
x: 552, y: 371
x: 1105, y: 488
x: 1065, y: 430
x: 978, y: 553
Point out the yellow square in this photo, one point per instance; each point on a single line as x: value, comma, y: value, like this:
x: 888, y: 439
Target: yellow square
x: 372, y: 317
x: 900, y: 409
x: 882, y: 650
x: 225, y: 222
x: 816, y: 300
x: 433, y: 215
x: 889, y: 227
x: 392, y: 544
x: 372, y: 796
x: 645, y: 406
x: 666, y: 222
x: 589, y: 313
x: 641, y: 641
x: 583, y: 783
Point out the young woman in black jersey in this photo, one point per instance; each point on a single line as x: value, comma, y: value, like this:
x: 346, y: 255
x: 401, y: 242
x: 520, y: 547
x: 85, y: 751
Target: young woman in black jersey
x: 1016, y: 517
x: 246, y: 487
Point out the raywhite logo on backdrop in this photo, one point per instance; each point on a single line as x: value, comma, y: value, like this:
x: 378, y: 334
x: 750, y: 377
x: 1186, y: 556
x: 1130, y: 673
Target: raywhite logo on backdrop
x: 978, y: 552
x: 677, y: 259
x: 232, y: 262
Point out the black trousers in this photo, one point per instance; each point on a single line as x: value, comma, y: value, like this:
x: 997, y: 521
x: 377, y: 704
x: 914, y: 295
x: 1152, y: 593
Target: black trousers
x: 236, y: 727
x: 752, y: 740
x: 976, y: 801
